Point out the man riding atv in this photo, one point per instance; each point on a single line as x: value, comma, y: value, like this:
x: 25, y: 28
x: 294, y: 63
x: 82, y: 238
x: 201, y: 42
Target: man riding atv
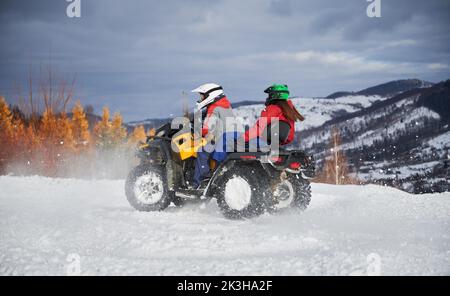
x: 246, y: 182
x: 215, y: 128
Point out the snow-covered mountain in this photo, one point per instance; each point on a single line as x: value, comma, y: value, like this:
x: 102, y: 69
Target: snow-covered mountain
x: 72, y: 226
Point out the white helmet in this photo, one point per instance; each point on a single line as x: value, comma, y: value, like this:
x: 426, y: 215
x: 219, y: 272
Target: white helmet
x: 210, y: 91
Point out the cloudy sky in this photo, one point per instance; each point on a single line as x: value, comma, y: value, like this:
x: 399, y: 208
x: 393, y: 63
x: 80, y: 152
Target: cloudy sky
x: 138, y: 56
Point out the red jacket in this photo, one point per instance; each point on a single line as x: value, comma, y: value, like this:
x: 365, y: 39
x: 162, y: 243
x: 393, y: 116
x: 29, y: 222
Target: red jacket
x: 270, y: 112
x: 222, y: 103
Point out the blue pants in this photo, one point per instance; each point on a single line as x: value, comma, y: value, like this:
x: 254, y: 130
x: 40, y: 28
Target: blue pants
x: 201, y: 167
x: 202, y: 160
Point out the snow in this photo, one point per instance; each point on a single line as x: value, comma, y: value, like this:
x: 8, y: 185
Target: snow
x: 417, y: 117
x: 407, y: 102
x: 441, y: 141
x: 385, y: 171
x: 49, y: 224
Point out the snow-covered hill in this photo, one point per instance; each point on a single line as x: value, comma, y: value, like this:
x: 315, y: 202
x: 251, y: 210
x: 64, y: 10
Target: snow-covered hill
x: 347, y: 230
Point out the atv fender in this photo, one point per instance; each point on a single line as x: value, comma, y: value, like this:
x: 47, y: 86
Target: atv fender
x: 158, y: 153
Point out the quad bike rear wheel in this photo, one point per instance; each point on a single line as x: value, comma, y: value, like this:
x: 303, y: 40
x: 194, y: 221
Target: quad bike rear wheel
x: 242, y: 192
x: 146, y: 189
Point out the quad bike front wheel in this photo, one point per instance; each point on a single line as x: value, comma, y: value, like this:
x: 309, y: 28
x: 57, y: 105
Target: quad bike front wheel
x: 242, y: 193
x: 146, y: 189
x: 293, y: 192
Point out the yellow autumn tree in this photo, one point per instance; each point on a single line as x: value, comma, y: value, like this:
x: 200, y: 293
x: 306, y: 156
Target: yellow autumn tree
x: 47, y: 126
x: 64, y: 133
x: 138, y: 135
x: 118, y: 131
x: 18, y: 142
x: 151, y: 132
x: 30, y: 140
x: 55, y: 133
x: 18, y: 132
x: 80, y: 128
x: 6, y: 133
x: 27, y: 145
x: 50, y: 144
x: 102, y: 130
x: 6, y: 117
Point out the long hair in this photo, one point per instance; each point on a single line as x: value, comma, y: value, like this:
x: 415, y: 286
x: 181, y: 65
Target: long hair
x: 288, y: 111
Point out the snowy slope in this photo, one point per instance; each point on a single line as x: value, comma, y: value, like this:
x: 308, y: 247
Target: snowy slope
x: 440, y: 144
x: 44, y: 220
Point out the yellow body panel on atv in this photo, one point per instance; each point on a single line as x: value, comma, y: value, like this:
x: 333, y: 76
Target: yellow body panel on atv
x: 187, y: 145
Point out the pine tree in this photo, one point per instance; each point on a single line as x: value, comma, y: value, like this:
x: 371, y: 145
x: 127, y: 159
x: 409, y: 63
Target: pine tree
x: 80, y: 128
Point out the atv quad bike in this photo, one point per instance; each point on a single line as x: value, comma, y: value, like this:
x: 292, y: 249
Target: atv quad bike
x: 245, y: 184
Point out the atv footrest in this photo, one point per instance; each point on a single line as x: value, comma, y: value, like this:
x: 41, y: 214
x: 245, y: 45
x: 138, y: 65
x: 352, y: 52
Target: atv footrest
x: 189, y: 193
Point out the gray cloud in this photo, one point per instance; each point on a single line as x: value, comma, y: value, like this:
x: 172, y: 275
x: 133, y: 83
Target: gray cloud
x: 280, y: 7
x: 138, y: 56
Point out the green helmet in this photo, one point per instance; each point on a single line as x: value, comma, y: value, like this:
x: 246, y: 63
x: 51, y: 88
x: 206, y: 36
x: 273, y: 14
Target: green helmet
x: 277, y: 92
